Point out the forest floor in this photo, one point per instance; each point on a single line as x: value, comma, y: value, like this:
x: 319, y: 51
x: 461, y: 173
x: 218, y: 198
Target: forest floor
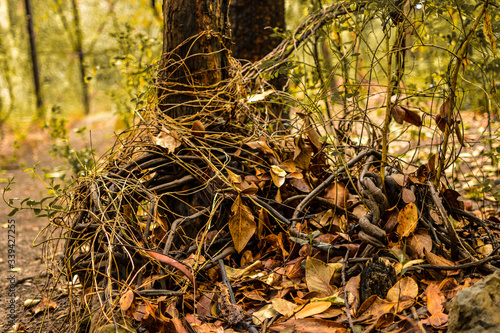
x: 31, y: 276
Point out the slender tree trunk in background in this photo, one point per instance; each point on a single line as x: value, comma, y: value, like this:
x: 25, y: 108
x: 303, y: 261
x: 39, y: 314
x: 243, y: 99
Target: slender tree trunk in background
x: 7, y: 55
x: 34, y: 60
x: 249, y: 20
x: 79, y: 50
x: 192, y: 63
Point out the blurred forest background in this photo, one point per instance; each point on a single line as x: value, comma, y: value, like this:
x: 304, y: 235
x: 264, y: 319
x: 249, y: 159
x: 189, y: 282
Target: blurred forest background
x: 101, y: 57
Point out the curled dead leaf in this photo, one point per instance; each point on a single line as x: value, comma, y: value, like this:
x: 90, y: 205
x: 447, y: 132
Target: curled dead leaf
x: 398, y: 114
x: 278, y: 175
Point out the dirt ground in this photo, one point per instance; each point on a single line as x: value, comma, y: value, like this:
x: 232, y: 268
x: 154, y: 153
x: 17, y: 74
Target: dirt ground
x: 30, y: 276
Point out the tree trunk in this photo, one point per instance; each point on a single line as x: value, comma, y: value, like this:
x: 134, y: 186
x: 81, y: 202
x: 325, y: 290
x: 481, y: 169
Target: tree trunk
x: 195, y: 56
x: 249, y: 20
x: 34, y: 59
x: 78, y: 46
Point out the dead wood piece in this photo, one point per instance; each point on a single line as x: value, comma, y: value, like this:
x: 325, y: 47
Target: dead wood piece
x: 370, y: 239
x: 377, y: 278
x: 371, y: 229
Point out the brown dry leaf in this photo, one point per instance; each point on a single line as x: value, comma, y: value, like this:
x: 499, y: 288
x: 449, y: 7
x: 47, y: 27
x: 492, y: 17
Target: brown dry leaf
x: 290, y: 166
x: 126, y: 300
x: 247, y: 188
x: 310, y: 325
x: 434, y: 299
x: 233, y: 178
x: 278, y: 175
x: 300, y: 184
x: 255, y: 295
x: 446, y: 109
x: 437, y: 321
x: 412, y: 117
x: 398, y: 113
x: 432, y: 163
x: 408, y: 195
x: 435, y: 307
x: 312, y: 309
x: 440, y: 122
x: 44, y: 305
x: 284, y: 307
x: 197, y: 129
x: 407, y: 220
x: 374, y: 307
x: 337, y: 194
x: 179, y: 328
x: 302, y: 153
x: 261, y: 145
x: 318, y: 276
x: 312, y: 133
x: 403, y: 293
x: 458, y: 132
x: 392, y: 221
x: 399, y: 178
x: 263, y: 222
x: 435, y: 217
x: 419, y: 241
x: 204, y: 304
x: 241, y: 224
x: 434, y: 259
x: 484, y: 249
x: 266, y: 312
x: 385, y: 320
x: 167, y: 139
x: 448, y: 287
x: 352, y: 288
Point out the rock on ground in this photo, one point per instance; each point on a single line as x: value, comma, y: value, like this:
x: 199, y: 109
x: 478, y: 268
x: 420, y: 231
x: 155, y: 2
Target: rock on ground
x: 477, y: 308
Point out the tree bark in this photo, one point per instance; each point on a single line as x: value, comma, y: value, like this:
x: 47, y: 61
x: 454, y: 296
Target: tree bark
x: 195, y: 55
x: 249, y: 20
x: 79, y: 50
x: 34, y: 59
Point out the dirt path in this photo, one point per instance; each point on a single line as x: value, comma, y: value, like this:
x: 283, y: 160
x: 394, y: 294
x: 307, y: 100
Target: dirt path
x: 30, y: 275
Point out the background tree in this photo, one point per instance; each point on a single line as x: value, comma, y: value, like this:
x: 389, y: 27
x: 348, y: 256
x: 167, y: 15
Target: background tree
x: 34, y: 59
x: 252, y: 24
x: 195, y: 52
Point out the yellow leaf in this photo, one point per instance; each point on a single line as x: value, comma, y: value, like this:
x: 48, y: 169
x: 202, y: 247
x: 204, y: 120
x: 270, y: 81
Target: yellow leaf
x: 318, y: 276
x: 284, y: 307
x: 312, y: 309
x: 241, y: 225
x: 407, y: 220
x: 267, y: 311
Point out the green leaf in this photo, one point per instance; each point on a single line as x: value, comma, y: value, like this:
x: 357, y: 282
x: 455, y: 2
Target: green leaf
x: 299, y: 240
x: 13, y: 212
